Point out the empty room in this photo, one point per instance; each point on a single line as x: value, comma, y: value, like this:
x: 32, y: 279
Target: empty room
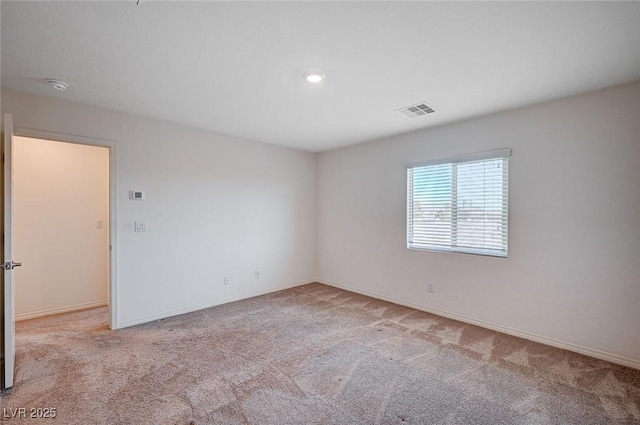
x: 341, y: 212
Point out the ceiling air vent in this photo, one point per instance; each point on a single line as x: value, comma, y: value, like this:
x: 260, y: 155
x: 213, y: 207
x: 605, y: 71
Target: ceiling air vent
x: 416, y: 110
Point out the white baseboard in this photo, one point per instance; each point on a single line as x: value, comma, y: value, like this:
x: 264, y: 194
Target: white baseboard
x: 59, y: 310
x: 202, y: 306
x: 598, y: 354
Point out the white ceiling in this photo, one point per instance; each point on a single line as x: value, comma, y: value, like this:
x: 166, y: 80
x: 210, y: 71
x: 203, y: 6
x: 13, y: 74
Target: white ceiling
x: 236, y: 67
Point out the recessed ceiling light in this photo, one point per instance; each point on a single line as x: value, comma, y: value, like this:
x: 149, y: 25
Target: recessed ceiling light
x: 313, y: 77
x: 57, y: 84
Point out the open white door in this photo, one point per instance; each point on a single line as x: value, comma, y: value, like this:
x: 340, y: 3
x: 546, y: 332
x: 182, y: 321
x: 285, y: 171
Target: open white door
x: 8, y: 331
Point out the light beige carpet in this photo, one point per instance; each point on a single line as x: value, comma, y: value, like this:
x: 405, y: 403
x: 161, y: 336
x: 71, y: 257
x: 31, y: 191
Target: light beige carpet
x: 308, y: 355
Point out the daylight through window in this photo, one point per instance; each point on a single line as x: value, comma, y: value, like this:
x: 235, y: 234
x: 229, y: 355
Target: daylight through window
x: 460, y: 204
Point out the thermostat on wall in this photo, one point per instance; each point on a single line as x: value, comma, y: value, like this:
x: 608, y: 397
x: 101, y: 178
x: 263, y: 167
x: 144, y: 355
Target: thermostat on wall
x: 136, y: 195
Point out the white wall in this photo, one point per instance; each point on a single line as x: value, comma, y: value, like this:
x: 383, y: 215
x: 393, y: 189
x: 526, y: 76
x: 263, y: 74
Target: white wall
x: 61, y: 190
x: 221, y: 206
x: 214, y: 206
x: 572, y: 277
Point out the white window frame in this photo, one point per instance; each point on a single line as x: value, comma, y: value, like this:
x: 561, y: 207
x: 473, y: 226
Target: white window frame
x: 491, y: 155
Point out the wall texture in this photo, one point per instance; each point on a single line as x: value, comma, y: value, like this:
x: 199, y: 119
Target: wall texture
x: 572, y: 277
x: 215, y: 206
x: 218, y: 206
x: 61, y: 190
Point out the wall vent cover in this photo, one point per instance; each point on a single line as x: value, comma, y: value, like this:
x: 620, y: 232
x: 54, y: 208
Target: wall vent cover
x: 416, y: 110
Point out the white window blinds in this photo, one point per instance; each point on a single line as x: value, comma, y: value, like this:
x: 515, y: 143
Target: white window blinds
x: 460, y: 204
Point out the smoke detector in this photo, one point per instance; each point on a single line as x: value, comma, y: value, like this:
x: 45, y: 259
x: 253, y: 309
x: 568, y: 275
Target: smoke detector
x: 416, y: 110
x: 57, y: 84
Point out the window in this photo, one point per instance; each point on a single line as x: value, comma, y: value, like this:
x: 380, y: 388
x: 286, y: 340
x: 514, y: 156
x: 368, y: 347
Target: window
x: 460, y: 204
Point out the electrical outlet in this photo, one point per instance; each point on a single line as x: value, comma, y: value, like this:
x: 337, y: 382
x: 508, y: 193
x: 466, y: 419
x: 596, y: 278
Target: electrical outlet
x: 99, y: 224
x: 140, y: 226
x: 429, y: 287
x: 258, y: 273
x: 226, y: 280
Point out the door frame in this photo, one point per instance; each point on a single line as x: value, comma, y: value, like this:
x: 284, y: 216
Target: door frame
x: 113, y: 200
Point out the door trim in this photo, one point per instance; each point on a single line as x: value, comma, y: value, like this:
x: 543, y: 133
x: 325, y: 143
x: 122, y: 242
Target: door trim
x: 113, y: 203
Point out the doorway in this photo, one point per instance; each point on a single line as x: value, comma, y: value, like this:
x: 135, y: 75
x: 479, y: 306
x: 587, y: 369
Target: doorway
x: 61, y: 226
